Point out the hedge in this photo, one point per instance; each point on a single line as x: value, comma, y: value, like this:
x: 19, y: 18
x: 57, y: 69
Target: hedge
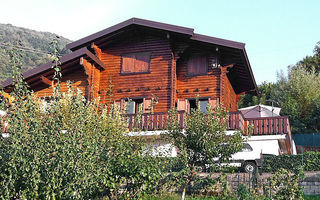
x: 310, y: 161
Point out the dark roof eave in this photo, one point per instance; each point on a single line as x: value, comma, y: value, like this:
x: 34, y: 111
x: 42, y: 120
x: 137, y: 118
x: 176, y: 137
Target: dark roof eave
x: 64, y: 59
x: 217, y: 41
x: 256, y: 89
x: 136, y: 21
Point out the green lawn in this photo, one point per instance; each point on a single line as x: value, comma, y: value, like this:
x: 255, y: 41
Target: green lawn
x: 313, y: 197
x: 178, y: 197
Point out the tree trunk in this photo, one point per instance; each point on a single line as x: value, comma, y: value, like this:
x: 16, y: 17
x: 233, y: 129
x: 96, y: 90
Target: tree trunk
x: 183, y: 193
x: 189, y: 179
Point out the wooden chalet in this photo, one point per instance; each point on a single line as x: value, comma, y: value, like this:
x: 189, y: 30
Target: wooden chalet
x: 144, y: 60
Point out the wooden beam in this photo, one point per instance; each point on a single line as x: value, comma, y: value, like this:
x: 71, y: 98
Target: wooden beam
x: 46, y: 80
x: 97, y: 50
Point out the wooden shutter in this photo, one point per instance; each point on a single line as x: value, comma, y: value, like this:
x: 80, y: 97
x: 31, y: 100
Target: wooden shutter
x: 197, y: 65
x: 204, y: 106
x: 128, y: 63
x: 213, y: 103
x: 142, y: 63
x: 131, y: 107
x: 117, y: 103
x: 147, y: 103
x: 182, y: 105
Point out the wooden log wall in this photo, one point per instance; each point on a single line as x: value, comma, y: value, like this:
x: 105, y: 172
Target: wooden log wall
x: 157, y: 82
x: 77, y: 77
x: 228, y: 97
x: 204, y: 85
x: 93, y: 77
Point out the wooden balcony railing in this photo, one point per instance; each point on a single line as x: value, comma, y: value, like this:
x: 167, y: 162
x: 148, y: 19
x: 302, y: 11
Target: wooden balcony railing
x: 260, y: 126
x: 268, y: 125
x: 151, y: 122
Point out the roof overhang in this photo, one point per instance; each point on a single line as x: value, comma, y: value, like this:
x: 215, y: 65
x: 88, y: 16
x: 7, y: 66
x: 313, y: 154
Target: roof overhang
x: 133, y: 21
x: 83, y: 52
x: 80, y: 48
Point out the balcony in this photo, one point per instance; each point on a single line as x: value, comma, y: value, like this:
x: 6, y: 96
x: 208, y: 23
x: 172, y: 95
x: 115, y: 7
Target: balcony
x: 257, y: 126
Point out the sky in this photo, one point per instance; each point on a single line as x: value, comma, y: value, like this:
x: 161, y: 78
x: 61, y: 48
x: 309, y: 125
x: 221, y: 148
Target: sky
x: 277, y: 33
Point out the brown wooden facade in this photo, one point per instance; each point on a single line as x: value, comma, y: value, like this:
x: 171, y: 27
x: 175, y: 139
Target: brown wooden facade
x: 146, y: 61
x: 96, y: 64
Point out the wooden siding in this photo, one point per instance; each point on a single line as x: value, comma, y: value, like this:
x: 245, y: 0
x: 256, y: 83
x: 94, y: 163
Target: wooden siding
x: 204, y: 85
x: 228, y: 96
x: 77, y: 77
x: 157, y: 82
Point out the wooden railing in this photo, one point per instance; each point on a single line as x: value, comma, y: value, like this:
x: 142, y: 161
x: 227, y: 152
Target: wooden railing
x: 257, y: 126
x: 268, y: 125
x: 151, y: 122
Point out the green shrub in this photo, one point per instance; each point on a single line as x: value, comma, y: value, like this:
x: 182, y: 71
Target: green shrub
x: 71, y: 149
x: 310, y: 161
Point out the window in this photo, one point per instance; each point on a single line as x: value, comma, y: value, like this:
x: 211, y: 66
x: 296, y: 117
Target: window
x: 197, y: 65
x: 134, y: 106
x: 246, y: 147
x: 135, y: 63
x: 203, y: 105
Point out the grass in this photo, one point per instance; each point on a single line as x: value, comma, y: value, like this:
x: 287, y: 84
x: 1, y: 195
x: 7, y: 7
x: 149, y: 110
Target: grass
x: 312, y: 197
x: 178, y: 197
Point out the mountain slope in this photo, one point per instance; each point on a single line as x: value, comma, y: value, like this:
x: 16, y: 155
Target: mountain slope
x: 34, y: 47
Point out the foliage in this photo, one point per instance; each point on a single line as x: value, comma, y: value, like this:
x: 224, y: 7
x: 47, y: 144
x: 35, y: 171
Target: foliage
x: 297, y: 93
x: 71, y: 149
x: 250, y: 100
x: 34, y: 46
x: 310, y: 161
x: 299, y: 97
x: 284, y: 185
x: 202, y: 141
x: 311, y: 63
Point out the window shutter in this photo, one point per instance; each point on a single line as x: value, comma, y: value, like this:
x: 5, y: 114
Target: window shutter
x: 131, y: 107
x: 147, y: 103
x: 142, y: 63
x: 182, y: 105
x: 117, y: 104
x: 204, y: 106
x: 213, y: 103
x: 128, y: 63
x: 197, y: 65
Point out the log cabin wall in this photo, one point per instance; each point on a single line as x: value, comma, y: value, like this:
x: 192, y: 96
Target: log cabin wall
x: 77, y: 77
x: 229, y: 97
x: 204, y: 85
x: 157, y: 82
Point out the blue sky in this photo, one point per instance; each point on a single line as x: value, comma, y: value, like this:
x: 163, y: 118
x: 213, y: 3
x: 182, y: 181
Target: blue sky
x: 277, y: 33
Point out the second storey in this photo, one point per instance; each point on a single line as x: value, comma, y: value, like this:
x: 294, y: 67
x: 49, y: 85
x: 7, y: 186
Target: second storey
x: 150, y: 65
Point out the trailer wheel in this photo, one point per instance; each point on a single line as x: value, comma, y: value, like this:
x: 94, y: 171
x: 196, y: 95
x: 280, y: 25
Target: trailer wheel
x: 249, y: 167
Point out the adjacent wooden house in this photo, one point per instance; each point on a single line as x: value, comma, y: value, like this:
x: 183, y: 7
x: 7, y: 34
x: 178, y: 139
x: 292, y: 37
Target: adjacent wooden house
x: 147, y: 61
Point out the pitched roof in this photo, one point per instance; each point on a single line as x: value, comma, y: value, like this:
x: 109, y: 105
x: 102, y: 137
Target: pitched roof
x: 79, y: 47
x: 155, y: 25
x: 133, y: 21
x: 83, y: 52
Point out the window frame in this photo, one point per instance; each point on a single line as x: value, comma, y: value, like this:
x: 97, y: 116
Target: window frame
x: 200, y: 99
x: 136, y: 53
x: 207, y: 65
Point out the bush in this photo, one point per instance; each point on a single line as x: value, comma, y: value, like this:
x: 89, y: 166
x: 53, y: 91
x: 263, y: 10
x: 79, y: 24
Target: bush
x: 310, y: 161
x: 72, y: 149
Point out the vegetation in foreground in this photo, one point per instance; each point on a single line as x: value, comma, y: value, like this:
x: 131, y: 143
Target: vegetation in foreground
x: 73, y: 149
x: 297, y: 93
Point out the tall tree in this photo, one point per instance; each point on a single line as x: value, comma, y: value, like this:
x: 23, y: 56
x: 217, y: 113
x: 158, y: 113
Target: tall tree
x: 299, y: 96
x: 264, y: 98
x: 312, y: 62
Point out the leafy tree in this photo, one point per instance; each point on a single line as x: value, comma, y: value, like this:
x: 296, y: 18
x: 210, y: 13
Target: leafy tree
x: 264, y: 98
x: 299, y: 97
x: 311, y: 63
x: 202, y: 141
x: 71, y: 149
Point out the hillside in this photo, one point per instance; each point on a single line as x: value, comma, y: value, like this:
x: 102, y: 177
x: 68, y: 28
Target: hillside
x: 33, y: 45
